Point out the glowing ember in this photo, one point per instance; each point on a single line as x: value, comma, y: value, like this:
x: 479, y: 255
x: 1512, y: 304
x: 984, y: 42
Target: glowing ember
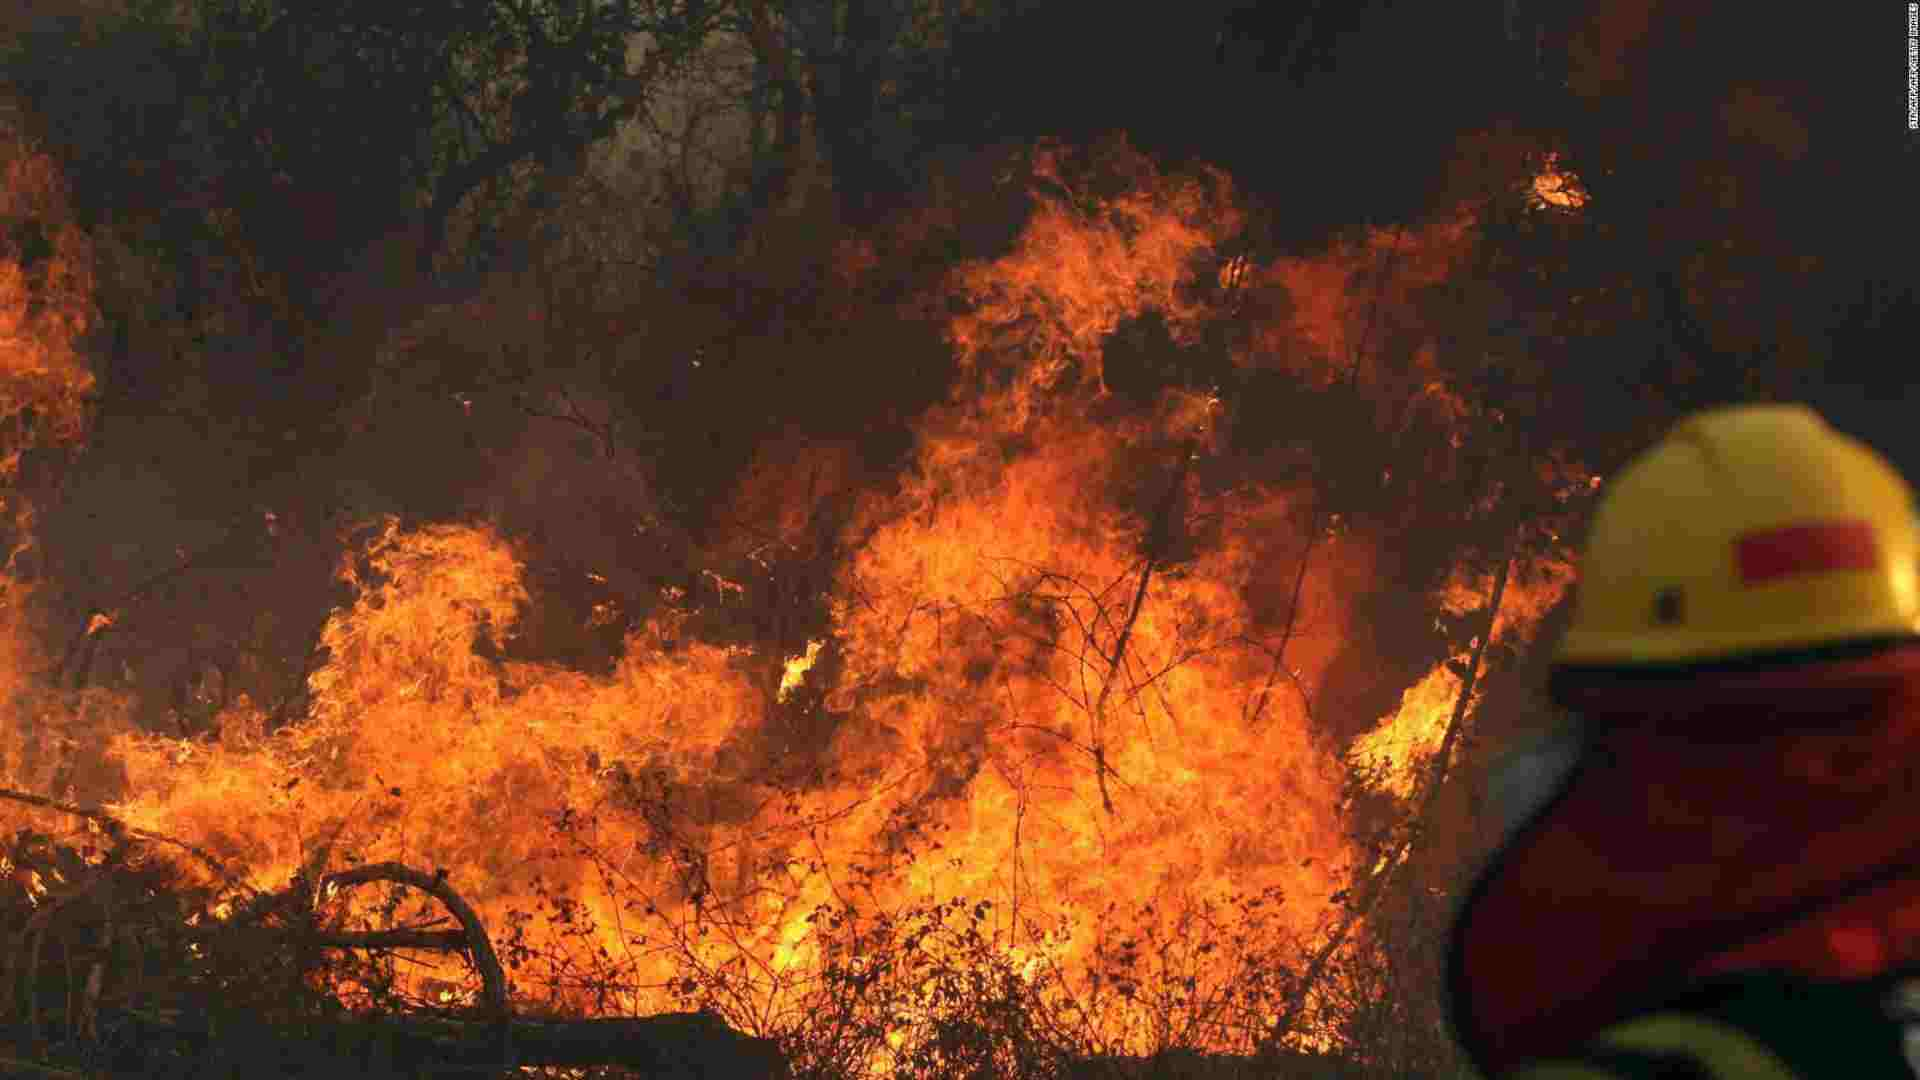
x: 797, y: 668
x: 1555, y: 187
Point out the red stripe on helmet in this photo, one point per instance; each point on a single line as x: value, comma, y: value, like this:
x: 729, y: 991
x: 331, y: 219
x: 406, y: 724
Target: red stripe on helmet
x: 1806, y: 549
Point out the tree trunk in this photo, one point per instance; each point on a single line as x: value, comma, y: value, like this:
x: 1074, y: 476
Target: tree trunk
x: 1375, y: 887
x: 774, y: 169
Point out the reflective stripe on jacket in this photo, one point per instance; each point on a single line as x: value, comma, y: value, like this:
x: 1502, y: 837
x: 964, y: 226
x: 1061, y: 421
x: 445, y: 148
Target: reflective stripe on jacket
x: 1767, y: 1026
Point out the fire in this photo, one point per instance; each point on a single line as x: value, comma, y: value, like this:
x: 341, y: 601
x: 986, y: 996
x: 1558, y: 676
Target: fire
x: 47, y: 307
x: 1042, y: 688
x: 1083, y: 265
x: 990, y: 599
x: 46, y: 303
x: 797, y: 668
x: 1342, y: 296
x: 1403, y: 742
x: 1554, y: 187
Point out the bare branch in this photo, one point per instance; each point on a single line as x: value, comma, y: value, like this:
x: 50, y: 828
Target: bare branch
x: 1374, y: 888
x: 431, y: 940
x: 493, y: 979
x: 116, y: 827
x: 1159, y: 535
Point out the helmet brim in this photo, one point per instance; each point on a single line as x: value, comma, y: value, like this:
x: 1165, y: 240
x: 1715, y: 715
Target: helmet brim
x: 1879, y: 661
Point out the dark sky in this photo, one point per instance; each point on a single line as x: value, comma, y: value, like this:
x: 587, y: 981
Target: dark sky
x: 1333, y: 114
x: 1333, y: 106
x: 1338, y: 113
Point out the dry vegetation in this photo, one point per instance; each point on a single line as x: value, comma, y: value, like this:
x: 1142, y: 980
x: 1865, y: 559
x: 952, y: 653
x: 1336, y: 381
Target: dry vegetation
x: 1038, y: 632
x: 624, y: 868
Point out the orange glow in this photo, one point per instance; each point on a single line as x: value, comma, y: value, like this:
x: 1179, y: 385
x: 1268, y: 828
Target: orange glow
x: 1033, y: 691
x: 981, y: 592
x: 51, y: 739
x: 1403, y: 743
x: 1555, y: 187
x: 1362, y: 282
x: 797, y: 668
x: 1081, y: 267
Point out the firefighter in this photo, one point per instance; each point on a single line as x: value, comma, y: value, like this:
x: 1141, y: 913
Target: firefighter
x: 1714, y: 870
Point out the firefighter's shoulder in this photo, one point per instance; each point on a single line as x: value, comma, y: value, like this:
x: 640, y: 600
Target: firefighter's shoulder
x: 1754, y: 1027
x: 1667, y: 1046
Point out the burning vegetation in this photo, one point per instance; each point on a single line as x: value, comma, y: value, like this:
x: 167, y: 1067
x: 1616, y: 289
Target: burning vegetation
x: 1121, y: 693
x: 1042, y: 720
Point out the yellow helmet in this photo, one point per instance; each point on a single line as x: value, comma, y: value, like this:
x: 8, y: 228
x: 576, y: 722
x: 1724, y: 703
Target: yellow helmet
x: 1751, y: 535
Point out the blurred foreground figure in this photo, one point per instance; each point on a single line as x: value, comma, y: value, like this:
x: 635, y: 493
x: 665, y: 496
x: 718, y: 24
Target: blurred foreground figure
x: 1713, y: 869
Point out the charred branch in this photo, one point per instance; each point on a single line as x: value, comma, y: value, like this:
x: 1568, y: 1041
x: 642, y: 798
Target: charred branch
x: 492, y: 978
x: 149, y: 1035
x: 1374, y: 888
x: 117, y: 828
x: 426, y: 940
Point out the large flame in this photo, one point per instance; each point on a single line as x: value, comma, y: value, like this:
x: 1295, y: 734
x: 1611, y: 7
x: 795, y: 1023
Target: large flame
x: 47, y: 287
x: 1084, y: 264
x: 1040, y: 684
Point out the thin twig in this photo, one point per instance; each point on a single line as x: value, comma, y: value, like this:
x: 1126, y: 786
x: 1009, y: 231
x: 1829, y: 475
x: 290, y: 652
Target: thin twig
x: 1257, y: 704
x: 1374, y: 888
x: 13, y: 1065
x: 102, y: 619
x: 1159, y: 541
x: 116, y: 827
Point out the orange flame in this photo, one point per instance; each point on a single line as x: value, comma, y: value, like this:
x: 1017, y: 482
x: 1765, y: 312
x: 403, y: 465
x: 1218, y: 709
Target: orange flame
x: 1402, y: 743
x: 1337, y: 299
x: 1556, y: 188
x: 1083, y: 265
x: 46, y: 310
x: 1035, y: 688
